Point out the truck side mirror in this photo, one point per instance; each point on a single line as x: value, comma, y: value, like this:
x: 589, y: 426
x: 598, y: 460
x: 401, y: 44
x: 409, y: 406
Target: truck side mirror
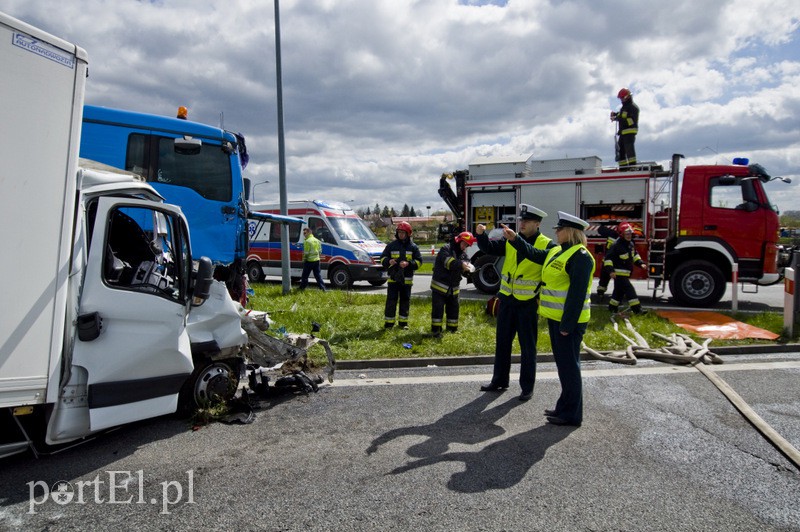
x: 188, y: 145
x: 202, y: 281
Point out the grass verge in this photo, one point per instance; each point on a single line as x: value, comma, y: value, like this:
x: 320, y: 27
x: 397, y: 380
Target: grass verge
x: 353, y: 324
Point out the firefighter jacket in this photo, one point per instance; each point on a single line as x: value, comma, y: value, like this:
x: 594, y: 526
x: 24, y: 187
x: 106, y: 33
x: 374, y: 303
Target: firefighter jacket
x: 401, y: 250
x: 311, y: 249
x: 628, y: 118
x: 447, y: 269
x: 621, y: 258
x: 521, y: 276
x: 610, y: 234
x: 567, y: 285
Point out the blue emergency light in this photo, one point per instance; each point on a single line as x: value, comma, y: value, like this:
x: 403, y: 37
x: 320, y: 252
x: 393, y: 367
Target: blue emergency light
x: 744, y: 161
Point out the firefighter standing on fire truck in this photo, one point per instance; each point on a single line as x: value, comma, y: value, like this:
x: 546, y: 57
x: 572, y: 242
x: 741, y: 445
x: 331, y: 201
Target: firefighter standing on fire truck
x: 401, y: 257
x: 619, y: 262
x: 451, y: 263
x: 627, y: 119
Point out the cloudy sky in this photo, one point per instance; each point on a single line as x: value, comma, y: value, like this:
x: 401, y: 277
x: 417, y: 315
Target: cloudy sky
x: 382, y: 96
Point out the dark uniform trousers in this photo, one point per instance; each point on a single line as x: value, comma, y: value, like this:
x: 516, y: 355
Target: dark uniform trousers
x: 518, y: 318
x: 566, y: 352
x: 444, y: 303
x: 393, y: 292
x: 623, y: 289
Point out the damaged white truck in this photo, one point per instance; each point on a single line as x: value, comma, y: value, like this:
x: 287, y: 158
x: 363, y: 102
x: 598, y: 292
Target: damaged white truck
x: 107, y: 317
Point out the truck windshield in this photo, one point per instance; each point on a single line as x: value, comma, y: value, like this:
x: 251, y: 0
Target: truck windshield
x: 352, y: 229
x: 208, y: 172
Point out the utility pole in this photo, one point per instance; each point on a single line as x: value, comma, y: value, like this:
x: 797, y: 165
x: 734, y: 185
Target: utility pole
x: 285, y: 275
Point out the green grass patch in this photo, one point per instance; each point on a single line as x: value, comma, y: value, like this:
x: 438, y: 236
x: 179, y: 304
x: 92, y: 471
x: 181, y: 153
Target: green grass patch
x: 353, y: 324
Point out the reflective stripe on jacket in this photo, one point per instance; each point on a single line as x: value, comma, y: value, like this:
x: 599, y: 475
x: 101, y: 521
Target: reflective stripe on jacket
x: 521, y: 279
x: 556, y: 282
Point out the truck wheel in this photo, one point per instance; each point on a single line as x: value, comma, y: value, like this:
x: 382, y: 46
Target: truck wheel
x: 208, y: 383
x: 486, y: 277
x: 254, y: 271
x: 697, y: 283
x: 379, y: 282
x: 340, y: 277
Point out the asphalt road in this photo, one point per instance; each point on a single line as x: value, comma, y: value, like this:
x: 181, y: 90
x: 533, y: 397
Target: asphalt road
x: 422, y: 449
x: 755, y: 299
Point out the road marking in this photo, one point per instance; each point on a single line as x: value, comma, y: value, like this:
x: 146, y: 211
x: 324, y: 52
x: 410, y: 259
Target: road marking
x: 552, y: 375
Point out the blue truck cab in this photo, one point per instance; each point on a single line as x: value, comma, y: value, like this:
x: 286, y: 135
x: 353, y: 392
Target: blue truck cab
x: 193, y: 165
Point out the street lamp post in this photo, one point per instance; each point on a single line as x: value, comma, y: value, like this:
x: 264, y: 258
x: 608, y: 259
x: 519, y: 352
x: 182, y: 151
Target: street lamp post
x: 429, y: 211
x: 253, y: 190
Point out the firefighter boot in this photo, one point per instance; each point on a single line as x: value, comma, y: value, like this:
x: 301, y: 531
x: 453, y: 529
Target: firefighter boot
x: 637, y: 309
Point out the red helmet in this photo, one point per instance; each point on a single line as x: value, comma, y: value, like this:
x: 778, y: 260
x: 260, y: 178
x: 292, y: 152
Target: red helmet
x: 467, y: 237
x: 406, y: 227
x: 624, y: 228
x: 623, y: 94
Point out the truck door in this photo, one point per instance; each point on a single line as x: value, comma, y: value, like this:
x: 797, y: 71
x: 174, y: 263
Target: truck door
x: 133, y: 343
x: 733, y: 214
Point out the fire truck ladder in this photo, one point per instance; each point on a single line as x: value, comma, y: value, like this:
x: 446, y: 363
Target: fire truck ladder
x: 661, y: 226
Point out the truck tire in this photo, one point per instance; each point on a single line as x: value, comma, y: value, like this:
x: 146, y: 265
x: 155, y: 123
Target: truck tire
x: 210, y: 382
x: 486, y: 278
x: 697, y: 283
x: 254, y: 271
x: 340, y: 277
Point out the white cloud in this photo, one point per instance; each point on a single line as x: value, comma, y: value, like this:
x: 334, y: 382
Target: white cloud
x: 382, y: 96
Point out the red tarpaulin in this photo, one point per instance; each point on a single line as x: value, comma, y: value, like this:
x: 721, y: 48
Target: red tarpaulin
x: 715, y: 325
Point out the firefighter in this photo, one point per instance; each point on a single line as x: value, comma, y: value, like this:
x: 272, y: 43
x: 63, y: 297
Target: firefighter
x: 401, y: 257
x: 619, y: 262
x: 451, y: 263
x: 519, y: 290
x: 602, y: 286
x: 627, y: 119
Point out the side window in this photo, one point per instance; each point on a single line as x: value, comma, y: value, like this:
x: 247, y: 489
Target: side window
x: 739, y: 195
x: 320, y: 230
x: 144, y: 252
x: 136, y: 155
x: 275, y: 232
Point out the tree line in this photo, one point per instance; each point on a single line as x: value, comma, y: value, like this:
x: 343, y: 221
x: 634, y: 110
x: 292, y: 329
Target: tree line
x: 387, y: 212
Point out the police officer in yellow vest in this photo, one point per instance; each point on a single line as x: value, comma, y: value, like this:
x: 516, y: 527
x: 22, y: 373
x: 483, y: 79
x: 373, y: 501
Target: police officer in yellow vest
x: 566, y: 289
x: 519, y: 289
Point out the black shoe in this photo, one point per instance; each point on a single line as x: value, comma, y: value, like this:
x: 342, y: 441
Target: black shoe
x: 492, y: 387
x: 639, y: 310
x: 550, y: 413
x: 526, y: 396
x: 553, y: 420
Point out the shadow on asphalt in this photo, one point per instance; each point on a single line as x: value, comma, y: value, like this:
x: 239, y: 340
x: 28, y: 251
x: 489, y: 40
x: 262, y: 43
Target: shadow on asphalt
x: 499, y: 465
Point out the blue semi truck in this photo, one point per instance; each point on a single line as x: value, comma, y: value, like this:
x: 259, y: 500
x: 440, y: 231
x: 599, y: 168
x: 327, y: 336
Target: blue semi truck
x: 195, y: 166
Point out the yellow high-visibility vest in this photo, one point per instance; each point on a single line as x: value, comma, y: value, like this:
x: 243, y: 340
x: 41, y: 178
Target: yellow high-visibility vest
x: 556, y: 284
x: 522, y: 280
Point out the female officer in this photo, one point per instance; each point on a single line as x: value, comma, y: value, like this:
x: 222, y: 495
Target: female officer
x: 567, y: 283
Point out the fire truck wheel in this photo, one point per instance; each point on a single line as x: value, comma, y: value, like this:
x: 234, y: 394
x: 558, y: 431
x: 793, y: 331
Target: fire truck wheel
x: 486, y: 277
x: 697, y: 283
x: 254, y: 272
x: 340, y: 277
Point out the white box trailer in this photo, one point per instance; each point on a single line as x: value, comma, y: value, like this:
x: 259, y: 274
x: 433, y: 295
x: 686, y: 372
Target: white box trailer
x: 99, y: 323
x: 42, y: 89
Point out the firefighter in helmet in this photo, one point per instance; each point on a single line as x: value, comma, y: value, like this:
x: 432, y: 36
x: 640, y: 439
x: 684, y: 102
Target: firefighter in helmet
x: 401, y: 257
x: 451, y: 264
x: 627, y: 119
x: 619, y: 262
